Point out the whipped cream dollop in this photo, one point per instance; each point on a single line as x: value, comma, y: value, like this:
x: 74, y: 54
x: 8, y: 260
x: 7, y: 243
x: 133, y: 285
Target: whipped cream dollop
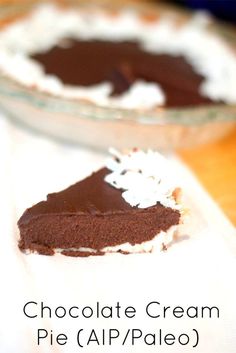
x: 146, y: 178
x: 48, y: 25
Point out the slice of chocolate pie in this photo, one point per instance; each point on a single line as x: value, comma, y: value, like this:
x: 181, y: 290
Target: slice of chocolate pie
x: 124, y: 207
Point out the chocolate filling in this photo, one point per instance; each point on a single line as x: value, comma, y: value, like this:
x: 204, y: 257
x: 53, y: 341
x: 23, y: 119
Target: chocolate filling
x: 90, y: 214
x: 86, y: 63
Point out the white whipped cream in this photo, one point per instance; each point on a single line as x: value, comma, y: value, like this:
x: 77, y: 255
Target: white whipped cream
x: 48, y: 25
x: 145, y: 177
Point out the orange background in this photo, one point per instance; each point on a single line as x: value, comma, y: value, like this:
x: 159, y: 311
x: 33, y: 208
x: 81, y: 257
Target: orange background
x: 215, y: 166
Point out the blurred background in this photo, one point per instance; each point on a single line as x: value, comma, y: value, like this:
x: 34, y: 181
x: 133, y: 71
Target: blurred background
x: 222, y: 9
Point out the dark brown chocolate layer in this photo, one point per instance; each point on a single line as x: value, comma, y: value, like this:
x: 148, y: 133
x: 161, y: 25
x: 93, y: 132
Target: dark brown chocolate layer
x: 87, y: 63
x: 90, y: 214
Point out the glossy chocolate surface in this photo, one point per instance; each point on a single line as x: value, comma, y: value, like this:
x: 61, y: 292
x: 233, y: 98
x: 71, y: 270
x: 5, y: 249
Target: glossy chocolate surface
x: 87, y: 63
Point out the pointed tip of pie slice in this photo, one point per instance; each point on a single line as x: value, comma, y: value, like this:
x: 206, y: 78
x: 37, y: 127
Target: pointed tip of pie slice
x: 91, y: 195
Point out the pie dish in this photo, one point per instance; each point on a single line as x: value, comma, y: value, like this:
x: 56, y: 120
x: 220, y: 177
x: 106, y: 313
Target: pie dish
x: 126, y: 99
x: 131, y: 206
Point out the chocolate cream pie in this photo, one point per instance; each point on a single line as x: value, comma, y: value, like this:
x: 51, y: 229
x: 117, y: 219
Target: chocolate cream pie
x: 130, y: 206
x: 119, y: 60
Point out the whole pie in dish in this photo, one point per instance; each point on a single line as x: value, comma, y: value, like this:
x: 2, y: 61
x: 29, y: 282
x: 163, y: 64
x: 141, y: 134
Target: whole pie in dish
x: 119, y: 59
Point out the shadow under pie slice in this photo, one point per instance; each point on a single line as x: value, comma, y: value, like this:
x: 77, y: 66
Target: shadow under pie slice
x: 92, y: 218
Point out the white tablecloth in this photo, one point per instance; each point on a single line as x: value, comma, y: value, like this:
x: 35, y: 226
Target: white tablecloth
x: 197, y: 271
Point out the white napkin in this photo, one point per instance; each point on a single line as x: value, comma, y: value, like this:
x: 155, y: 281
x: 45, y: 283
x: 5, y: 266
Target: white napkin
x: 197, y: 271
